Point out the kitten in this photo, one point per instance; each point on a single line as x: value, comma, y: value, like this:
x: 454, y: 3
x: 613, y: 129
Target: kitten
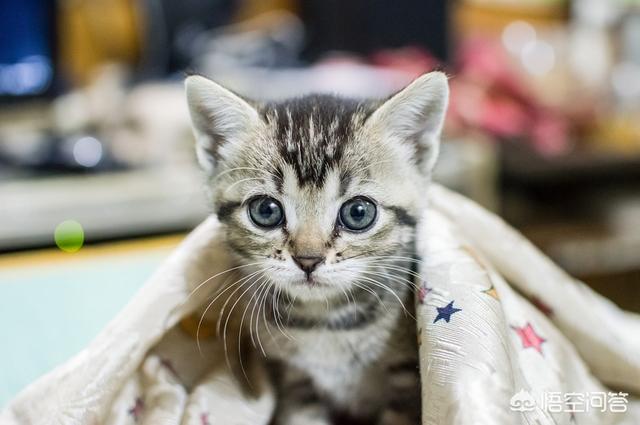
x: 319, y: 197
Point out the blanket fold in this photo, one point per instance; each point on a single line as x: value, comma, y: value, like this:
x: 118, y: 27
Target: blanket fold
x: 505, y: 337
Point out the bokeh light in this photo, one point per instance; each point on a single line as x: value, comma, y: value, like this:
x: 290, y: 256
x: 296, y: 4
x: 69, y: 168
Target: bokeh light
x: 517, y: 35
x: 87, y: 151
x: 538, y: 57
x: 625, y: 80
x: 69, y: 236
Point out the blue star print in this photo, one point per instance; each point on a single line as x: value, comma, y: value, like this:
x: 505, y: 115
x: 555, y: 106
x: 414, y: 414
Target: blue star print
x: 446, y: 312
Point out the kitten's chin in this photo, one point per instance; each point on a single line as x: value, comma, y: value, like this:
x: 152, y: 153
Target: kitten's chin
x: 314, y: 289
x: 310, y: 293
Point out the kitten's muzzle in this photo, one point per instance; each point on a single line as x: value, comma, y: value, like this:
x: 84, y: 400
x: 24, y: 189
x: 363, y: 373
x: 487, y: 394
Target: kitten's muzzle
x: 308, y: 263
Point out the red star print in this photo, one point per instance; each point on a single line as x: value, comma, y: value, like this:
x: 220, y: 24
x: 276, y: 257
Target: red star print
x: 529, y: 337
x: 136, y: 410
x: 204, y: 419
x: 423, y: 292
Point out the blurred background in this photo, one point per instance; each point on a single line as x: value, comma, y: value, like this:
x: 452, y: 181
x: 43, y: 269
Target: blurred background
x: 98, y: 180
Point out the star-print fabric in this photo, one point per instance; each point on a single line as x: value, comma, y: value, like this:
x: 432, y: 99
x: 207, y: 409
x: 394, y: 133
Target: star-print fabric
x: 505, y: 338
x: 529, y: 337
x: 445, y: 312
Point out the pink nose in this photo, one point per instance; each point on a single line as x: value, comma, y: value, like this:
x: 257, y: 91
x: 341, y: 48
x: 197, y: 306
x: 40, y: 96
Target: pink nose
x: 308, y: 263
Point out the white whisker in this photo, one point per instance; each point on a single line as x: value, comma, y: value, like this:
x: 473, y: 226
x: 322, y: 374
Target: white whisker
x: 226, y: 324
x: 383, y: 274
x: 219, y: 274
x: 245, y: 169
x: 241, y: 181
x: 260, y: 282
x: 386, y: 288
x: 211, y: 304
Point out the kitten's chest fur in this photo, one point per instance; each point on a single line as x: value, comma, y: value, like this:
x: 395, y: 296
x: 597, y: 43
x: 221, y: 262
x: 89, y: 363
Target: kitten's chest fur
x: 326, y: 349
x: 349, y: 367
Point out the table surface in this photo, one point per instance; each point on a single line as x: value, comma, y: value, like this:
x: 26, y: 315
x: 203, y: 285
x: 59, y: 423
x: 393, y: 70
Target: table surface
x: 52, y: 304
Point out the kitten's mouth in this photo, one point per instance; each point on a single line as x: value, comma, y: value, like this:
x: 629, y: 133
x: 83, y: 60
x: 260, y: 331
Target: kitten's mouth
x: 311, y: 281
x: 313, y: 288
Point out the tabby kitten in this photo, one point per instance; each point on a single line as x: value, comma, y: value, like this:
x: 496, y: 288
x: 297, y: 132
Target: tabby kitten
x: 319, y: 197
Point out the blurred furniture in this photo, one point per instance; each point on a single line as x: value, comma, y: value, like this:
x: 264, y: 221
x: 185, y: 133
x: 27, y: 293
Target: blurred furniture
x: 27, y: 49
x: 583, y: 210
x: 94, y: 32
x: 109, y: 206
x: 363, y: 26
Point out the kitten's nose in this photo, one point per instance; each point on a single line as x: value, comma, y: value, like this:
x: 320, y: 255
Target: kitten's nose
x: 307, y: 263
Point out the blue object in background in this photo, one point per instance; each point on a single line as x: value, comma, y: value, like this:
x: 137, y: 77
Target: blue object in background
x: 26, y: 47
x: 50, y: 313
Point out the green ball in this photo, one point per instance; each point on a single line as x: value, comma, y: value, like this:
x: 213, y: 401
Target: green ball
x: 69, y: 236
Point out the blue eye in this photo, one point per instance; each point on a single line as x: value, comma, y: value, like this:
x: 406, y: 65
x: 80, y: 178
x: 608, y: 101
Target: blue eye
x: 265, y: 211
x: 357, y: 214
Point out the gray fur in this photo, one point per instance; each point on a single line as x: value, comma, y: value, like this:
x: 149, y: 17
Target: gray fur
x: 340, y: 339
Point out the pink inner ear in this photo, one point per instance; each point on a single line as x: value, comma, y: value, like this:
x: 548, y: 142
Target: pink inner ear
x: 219, y: 117
x: 416, y: 114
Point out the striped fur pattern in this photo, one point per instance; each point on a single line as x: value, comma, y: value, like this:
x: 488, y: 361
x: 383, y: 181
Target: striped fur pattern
x: 340, y: 338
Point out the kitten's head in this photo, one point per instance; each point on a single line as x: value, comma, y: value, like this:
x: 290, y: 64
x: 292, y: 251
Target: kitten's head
x: 319, y: 192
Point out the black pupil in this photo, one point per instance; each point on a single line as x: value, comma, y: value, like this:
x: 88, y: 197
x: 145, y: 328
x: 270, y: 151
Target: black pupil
x: 267, y: 209
x: 266, y: 212
x: 357, y: 212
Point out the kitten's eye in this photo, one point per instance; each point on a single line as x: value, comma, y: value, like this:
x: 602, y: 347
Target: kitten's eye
x: 266, y: 212
x: 357, y: 214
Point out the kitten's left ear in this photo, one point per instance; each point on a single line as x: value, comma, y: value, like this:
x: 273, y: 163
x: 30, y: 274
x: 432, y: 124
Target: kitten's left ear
x: 416, y: 115
x: 222, y: 121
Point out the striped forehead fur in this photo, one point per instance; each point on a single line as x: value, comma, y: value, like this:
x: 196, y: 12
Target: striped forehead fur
x: 312, y: 131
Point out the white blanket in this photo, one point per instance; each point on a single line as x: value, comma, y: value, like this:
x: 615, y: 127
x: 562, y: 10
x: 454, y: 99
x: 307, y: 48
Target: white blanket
x: 505, y: 336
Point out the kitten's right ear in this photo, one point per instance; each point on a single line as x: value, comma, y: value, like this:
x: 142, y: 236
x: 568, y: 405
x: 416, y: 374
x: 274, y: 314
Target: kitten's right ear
x: 222, y: 121
x: 416, y: 115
